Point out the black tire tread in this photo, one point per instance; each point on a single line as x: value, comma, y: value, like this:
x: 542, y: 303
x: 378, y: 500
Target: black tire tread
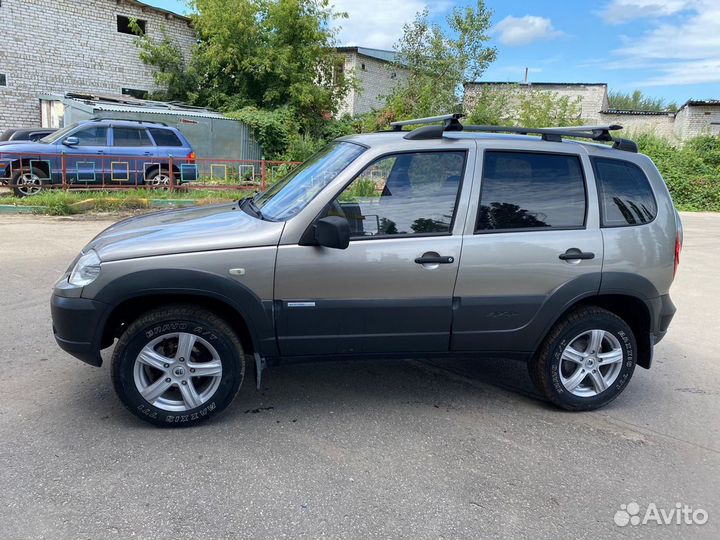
x: 538, y: 374
x: 172, y: 311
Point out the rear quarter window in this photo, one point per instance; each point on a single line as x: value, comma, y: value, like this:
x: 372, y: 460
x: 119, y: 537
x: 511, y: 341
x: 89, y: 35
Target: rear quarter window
x: 626, y: 197
x: 165, y: 137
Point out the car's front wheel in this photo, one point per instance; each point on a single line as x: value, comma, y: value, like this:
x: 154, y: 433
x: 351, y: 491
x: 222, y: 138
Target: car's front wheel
x: 586, y: 360
x: 26, y: 182
x: 177, y: 366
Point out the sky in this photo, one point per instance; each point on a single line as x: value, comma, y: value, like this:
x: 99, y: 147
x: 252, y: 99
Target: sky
x: 666, y: 48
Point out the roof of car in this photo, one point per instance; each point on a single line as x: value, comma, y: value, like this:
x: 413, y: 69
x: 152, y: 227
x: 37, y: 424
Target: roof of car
x: 130, y: 123
x: 384, y: 137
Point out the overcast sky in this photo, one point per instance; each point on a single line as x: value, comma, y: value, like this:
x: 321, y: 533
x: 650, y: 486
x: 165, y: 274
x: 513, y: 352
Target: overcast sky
x: 667, y: 48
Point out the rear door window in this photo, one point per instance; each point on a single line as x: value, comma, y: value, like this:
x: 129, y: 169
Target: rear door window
x: 626, y: 197
x: 527, y: 191
x: 165, y: 137
x: 130, y: 137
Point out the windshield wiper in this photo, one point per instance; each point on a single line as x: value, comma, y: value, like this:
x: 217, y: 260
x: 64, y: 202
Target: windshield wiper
x: 252, y: 206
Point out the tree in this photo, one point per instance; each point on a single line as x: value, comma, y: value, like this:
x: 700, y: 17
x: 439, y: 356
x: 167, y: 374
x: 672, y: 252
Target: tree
x: 637, y: 101
x: 265, y: 54
x: 438, y: 61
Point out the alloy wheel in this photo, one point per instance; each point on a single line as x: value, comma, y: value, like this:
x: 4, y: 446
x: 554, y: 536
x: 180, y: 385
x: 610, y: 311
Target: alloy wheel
x: 177, y: 371
x: 591, y: 363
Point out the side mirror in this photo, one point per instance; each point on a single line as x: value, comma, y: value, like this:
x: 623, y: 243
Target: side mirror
x: 71, y: 141
x: 333, y: 232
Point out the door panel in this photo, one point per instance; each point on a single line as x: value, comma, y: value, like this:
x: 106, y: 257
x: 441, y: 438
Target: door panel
x: 370, y: 297
x: 509, y: 284
x: 532, y: 208
x: 391, y: 289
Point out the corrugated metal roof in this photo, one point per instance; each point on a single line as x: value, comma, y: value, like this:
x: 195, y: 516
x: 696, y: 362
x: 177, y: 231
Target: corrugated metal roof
x: 520, y: 83
x: 378, y: 54
x: 201, y: 113
x: 639, y: 113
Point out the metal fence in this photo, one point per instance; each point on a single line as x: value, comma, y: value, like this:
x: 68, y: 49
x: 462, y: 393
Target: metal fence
x: 106, y: 171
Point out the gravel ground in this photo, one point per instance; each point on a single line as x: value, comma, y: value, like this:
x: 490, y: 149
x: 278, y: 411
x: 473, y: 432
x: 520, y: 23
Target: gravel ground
x: 415, y: 448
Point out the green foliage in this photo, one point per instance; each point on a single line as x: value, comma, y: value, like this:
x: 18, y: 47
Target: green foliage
x: 269, y: 63
x: 637, y: 101
x: 691, y: 172
x: 514, y: 105
x: 438, y: 61
x: 177, y: 81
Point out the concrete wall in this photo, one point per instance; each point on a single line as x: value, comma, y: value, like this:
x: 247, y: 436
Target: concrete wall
x: 592, y: 97
x: 57, y: 46
x: 376, y: 80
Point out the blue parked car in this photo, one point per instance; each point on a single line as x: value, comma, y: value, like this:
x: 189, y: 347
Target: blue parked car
x: 97, y: 152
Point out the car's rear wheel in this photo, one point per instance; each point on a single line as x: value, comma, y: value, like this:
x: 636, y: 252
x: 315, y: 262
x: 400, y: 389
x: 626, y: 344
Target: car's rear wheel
x: 160, y: 179
x: 26, y: 182
x: 586, y: 360
x: 178, y: 365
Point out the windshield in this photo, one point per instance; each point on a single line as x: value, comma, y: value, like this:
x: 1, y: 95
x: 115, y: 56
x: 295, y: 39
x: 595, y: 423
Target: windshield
x: 293, y: 193
x: 59, y: 134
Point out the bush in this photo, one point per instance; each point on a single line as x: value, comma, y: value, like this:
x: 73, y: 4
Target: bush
x: 691, y: 172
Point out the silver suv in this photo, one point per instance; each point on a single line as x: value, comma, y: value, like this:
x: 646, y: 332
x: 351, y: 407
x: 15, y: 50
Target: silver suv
x: 446, y: 240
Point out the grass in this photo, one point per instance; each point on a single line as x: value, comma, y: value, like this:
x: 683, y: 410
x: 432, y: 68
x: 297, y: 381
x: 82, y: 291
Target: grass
x: 62, y: 203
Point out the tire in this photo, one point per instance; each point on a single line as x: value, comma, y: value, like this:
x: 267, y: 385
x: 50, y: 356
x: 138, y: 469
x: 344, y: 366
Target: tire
x: 567, y: 372
x: 26, y: 183
x: 160, y: 178
x: 171, y: 394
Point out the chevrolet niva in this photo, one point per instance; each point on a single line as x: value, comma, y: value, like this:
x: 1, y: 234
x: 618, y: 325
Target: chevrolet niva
x: 446, y: 240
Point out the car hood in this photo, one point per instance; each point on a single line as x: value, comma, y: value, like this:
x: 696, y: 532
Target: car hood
x: 202, y: 228
x: 22, y: 146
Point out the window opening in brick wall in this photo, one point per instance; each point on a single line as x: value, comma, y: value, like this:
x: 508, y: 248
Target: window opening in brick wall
x: 125, y: 26
x: 3, y: 79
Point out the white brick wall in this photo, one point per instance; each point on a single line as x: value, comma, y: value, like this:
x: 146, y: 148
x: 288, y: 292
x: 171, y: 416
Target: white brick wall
x: 593, y: 97
x: 375, y: 83
x: 635, y: 124
x: 57, y: 46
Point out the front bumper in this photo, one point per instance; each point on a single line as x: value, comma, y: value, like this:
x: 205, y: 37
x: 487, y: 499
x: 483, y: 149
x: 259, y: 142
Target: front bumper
x: 77, y: 326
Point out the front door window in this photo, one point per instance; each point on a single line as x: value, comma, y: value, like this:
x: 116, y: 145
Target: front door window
x: 403, y: 194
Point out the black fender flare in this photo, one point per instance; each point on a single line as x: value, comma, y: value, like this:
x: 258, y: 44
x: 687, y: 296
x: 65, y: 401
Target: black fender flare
x: 256, y: 313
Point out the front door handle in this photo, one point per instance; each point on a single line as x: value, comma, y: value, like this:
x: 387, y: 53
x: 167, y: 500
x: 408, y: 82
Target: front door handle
x: 574, y: 254
x: 435, y: 259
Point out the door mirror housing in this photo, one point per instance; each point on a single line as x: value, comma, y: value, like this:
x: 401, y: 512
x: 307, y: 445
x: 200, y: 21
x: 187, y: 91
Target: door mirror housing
x: 71, y: 141
x: 332, y: 232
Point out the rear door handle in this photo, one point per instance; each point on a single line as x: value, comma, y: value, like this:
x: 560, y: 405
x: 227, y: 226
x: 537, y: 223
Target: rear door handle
x: 574, y: 254
x: 434, y: 259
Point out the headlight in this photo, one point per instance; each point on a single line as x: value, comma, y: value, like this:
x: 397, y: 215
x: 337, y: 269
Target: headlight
x: 86, y: 269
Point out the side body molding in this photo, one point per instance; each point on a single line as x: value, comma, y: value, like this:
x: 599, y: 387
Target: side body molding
x: 256, y: 313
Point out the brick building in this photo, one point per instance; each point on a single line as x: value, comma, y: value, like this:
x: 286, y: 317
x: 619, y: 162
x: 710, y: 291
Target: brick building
x: 376, y: 78
x: 693, y: 118
x: 59, y: 46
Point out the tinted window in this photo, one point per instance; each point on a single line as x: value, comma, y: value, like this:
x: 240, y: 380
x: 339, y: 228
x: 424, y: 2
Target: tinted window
x: 403, y: 194
x: 165, y: 137
x: 625, y: 194
x: 124, y: 136
x: 94, y: 136
x: 528, y: 191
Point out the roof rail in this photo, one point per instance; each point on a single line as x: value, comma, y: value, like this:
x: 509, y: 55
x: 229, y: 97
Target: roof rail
x: 451, y: 122
x: 101, y: 119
